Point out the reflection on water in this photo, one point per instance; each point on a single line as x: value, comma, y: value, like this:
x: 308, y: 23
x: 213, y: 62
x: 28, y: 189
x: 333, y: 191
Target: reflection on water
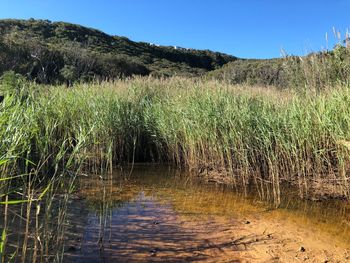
x: 158, y: 214
x: 143, y: 229
x: 161, y: 214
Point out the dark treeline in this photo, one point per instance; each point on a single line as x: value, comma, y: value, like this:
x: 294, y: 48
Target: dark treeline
x: 47, y: 65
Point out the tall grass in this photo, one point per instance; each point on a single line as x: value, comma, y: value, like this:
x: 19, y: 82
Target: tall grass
x: 260, y: 136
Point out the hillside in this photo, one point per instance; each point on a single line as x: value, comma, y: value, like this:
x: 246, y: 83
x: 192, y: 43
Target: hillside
x: 57, y: 51
x: 314, y: 71
x: 266, y: 72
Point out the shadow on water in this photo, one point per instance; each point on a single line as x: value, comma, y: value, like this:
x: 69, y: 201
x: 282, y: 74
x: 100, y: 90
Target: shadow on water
x: 149, y: 217
x: 144, y: 230
x: 159, y: 214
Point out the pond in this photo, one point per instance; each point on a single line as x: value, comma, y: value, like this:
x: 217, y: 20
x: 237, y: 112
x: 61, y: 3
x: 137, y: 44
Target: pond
x: 157, y: 214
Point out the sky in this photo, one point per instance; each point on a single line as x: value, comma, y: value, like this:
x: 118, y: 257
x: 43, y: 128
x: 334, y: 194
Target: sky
x: 243, y: 28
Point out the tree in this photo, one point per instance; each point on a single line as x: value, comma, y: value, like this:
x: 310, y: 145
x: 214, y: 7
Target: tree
x: 68, y: 72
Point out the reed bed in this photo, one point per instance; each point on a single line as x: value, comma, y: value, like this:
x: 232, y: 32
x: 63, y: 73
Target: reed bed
x: 260, y: 137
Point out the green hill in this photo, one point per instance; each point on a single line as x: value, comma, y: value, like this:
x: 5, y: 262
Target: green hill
x: 265, y: 72
x: 314, y: 71
x: 57, y: 51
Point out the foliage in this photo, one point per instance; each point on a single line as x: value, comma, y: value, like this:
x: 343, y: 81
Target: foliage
x: 265, y: 72
x: 254, y: 135
x: 11, y: 84
x: 61, y: 52
x: 315, y: 71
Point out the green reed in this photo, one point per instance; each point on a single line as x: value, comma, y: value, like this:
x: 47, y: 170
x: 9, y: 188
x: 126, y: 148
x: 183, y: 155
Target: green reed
x: 260, y: 136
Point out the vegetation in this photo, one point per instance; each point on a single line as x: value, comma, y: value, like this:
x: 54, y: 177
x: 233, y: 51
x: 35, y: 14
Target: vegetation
x: 252, y: 134
x: 315, y: 71
x: 59, y: 52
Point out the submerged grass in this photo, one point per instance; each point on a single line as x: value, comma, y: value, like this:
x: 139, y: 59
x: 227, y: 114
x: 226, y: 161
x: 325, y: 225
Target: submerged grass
x: 260, y: 136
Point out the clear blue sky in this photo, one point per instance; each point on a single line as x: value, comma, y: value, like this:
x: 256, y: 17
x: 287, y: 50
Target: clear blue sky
x: 245, y: 28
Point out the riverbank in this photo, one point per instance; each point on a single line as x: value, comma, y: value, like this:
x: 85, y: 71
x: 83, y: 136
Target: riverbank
x: 319, y: 189
x: 289, y: 242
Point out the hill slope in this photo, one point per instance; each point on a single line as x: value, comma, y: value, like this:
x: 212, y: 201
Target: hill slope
x: 55, y: 51
x: 315, y: 70
x: 265, y: 72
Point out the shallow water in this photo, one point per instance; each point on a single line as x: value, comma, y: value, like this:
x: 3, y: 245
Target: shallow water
x: 158, y: 214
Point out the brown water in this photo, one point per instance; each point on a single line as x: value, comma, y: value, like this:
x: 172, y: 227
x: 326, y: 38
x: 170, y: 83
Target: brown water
x: 158, y: 214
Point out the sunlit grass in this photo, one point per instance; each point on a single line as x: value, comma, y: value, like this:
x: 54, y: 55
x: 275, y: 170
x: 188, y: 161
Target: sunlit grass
x: 254, y: 134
